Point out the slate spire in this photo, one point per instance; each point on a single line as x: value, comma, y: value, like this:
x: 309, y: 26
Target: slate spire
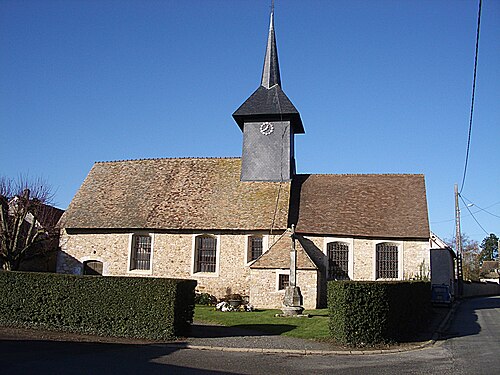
x: 271, y: 70
x: 269, y: 102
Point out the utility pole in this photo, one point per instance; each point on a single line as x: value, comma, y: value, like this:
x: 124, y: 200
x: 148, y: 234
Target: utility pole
x: 458, y: 241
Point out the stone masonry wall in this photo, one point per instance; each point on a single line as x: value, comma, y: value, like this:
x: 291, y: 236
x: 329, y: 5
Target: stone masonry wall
x: 265, y: 293
x: 172, y: 256
x: 415, y: 259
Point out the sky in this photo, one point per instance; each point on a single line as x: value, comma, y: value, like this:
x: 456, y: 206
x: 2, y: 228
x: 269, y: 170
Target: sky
x: 382, y: 87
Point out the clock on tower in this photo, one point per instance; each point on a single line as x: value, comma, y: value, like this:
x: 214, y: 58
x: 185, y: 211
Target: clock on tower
x: 269, y: 122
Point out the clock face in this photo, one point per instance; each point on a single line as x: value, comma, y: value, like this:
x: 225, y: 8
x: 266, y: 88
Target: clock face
x: 266, y: 128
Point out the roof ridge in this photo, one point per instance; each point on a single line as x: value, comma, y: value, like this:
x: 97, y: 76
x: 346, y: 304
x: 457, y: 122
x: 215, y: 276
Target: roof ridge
x: 173, y: 158
x: 360, y: 174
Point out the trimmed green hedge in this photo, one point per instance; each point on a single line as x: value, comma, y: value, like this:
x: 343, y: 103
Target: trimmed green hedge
x: 365, y: 313
x: 141, y: 307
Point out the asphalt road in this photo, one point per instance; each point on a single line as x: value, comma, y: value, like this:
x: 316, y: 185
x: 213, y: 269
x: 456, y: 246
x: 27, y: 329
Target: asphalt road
x: 471, y: 345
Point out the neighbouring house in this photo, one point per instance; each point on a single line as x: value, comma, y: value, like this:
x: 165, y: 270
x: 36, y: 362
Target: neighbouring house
x: 490, y: 271
x: 43, y: 256
x: 37, y: 235
x: 443, y: 264
x: 226, y: 222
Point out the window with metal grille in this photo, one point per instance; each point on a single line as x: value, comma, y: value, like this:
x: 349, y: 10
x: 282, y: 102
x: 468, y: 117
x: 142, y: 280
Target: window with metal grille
x: 387, y: 261
x: 92, y: 267
x: 206, y: 254
x: 254, y: 247
x: 283, y: 281
x: 141, y: 253
x: 338, y: 260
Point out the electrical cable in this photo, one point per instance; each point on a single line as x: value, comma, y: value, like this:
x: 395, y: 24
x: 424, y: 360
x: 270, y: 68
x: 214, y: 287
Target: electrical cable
x: 473, y: 95
x: 468, y: 209
x: 482, y: 209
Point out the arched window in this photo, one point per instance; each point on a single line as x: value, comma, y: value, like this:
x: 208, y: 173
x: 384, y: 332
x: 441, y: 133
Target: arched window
x: 92, y: 267
x: 205, y: 254
x: 338, y: 260
x: 387, y: 261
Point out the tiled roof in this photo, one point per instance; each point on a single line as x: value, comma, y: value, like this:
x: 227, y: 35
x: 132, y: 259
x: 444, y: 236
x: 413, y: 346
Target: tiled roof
x: 278, y: 255
x: 370, y: 205
x: 191, y: 193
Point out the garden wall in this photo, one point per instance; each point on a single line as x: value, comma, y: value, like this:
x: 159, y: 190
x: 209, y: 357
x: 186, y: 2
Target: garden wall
x: 477, y: 289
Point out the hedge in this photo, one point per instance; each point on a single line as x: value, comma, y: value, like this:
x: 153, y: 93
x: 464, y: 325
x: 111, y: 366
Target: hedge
x: 365, y: 313
x: 140, y: 307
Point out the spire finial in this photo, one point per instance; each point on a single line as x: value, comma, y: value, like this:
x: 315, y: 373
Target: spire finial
x: 271, y: 71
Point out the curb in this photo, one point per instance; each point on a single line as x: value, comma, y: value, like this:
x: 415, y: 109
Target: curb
x: 426, y: 344
x: 444, y: 324
x: 299, y: 351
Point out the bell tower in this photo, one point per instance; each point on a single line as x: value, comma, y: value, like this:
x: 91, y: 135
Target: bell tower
x: 269, y: 121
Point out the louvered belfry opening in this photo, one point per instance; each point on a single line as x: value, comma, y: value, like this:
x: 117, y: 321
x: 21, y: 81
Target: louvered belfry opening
x: 141, y: 253
x: 206, y: 254
x: 338, y: 261
x: 387, y: 261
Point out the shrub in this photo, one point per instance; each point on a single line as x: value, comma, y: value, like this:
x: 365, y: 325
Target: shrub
x: 205, y: 299
x: 150, y: 308
x: 365, y: 313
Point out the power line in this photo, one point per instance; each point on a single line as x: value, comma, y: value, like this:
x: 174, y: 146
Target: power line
x: 468, y: 209
x: 475, y: 205
x: 483, y: 209
x: 473, y: 95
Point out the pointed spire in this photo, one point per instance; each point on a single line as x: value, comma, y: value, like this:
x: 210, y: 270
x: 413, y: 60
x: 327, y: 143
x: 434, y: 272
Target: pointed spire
x: 271, y: 71
x: 269, y: 102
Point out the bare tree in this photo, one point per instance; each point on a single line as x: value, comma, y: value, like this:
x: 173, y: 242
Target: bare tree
x: 471, y: 257
x: 28, y: 223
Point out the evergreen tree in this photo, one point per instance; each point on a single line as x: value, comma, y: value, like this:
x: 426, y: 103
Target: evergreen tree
x: 489, y: 248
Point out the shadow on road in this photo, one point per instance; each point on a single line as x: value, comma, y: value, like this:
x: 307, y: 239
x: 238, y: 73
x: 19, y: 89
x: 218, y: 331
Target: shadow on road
x: 465, y: 320
x: 65, y: 357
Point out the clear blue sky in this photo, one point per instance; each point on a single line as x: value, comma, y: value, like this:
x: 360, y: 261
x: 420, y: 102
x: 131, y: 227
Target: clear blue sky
x: 382, y: 87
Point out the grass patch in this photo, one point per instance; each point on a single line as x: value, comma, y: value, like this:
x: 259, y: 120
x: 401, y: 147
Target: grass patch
x: 315, y: 327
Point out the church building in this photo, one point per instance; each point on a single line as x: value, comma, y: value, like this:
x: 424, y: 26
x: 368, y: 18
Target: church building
x: 226, y: 222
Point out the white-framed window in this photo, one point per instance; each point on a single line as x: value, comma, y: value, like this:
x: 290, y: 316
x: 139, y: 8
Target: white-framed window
x: 282, y: 279
x: 388, y: 260
x: 255, y: 246
x: 339, y: 258
x: 140, y: 258
x: 206, y: 250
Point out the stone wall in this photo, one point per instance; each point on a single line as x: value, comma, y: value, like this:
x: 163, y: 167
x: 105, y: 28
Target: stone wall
x: 264, y: 291
x: 172, y: 256
x: 415, y: 258
x: 477, y: 289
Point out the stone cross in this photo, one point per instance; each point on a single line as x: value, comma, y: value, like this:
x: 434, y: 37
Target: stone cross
x: 293, y: 297
x: 293, y: 260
